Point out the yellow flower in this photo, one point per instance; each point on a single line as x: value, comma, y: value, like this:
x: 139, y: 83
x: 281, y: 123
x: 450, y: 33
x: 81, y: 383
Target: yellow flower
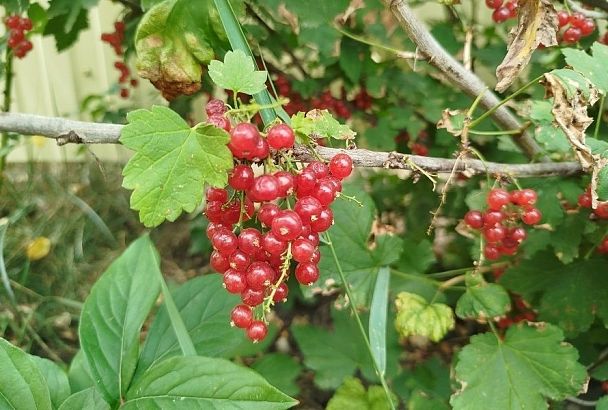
x: 38, y: 141
x: 38, y: 248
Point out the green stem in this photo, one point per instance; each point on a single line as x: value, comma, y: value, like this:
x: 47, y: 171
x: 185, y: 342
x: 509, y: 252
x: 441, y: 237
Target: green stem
x: 596, y: 131
x: 504, y: 101
x: 6, y: 106
x: 508, y: 132
x: 353, y: 307
x: 363, y: 40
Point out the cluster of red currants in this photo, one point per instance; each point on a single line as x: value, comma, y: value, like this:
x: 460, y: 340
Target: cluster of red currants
x: 601, y: 212
x: 419, y: 146
x: 291, y: 207
x: 502, y: 12
x: 326, y: 101
x: 500, y: 223
x: 521, y: 312
x: 18, y: 28
x: 115, y: 40
x: 579, y: 26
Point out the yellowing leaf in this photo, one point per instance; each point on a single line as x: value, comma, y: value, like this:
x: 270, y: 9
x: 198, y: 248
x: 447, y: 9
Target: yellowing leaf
x: 537, y: 25
x: 417, y: 317
x: 38, y: 248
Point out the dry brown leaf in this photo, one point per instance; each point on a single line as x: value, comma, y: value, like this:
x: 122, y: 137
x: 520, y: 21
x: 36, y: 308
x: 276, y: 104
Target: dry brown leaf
x: 289, y: 17
x: 570, y: 114
x: 537, y: 24
x: 352, y: 7
x: 452, y: 121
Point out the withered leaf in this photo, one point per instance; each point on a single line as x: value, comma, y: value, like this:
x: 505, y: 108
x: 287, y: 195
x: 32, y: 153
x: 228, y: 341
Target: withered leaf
x: 537, y: 24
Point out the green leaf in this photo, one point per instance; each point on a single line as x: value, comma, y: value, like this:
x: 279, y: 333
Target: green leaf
x: 417, y: 317
x: 320, y: 124
x: 56, y: 380
x: 573, y: 82
x: 567, y: 237
x: 66, y: 28
x: 602, y: 403
x: 237, y: 73
x: 89, y: 399
x: 571, y: 296
x: 546, y: 132
x: 592, y: 67
x: 417, y: 257
x: 113, y: 314
x: 79, y: 373
x: 280, y: 370
x: 377, y: 318
x: 22, y: 386
x: 350, y: 59
x: 350, y: 236
x: 482, y: 300
x: 602, y: 184
x: 205, y: 308
x: 530, y: 366
x: 203, y: 383
x: 172, y: 163
x: 352, y: 395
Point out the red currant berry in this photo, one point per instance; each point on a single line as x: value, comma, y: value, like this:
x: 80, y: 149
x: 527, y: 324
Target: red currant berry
x: 603, y: 247
x: 508, y: 250
x: 213, y: 211
x: 287, y: 226
x: 531, y: 216
x: 257, y: 331
x: 259, y: 275
x: 323, y: 221
x: 563, y: 18
x: 218, y: 262
x: 474, y: 219
x: 319, y: 169
x: 280, y: 295
x: 518, y: 234
x: 215, y: 107
x: 495, y: 233
x: 12, y: 22
x: 280, y: 136
x: 252, y: 297
x: 341, y: 166
x: 491, y: 218
x: 260, y: 152
x: 302, y: 250
x: 124, y: 93
x: 217, y: 194
x: 584, y: 200
x: 501, y: 15
x: 307, y: 273
x: 286, y: 182
x: 220, y: 122
x: 308, y: 207
x: 241, y: 177
x: 212, y: 228
x: 324, y: 192
x: 491, y: 252
x: 241, y: 316
x: 250, y: 241
x: 239, y: 261
x: 497, y: 198
x: 588, y: 27
x: 244, y: 138
x: 264, y: 188
x: 234, y: 281
x: 267, y: 213
x: 572, y: 35
x: 273, y: 245
x: 602, y: 210
x: 224, y: 241
x: 305, y: 182
x: 494, y: 4
x: 25, y: 24
x: 577, y: 20
x: 313, y: 238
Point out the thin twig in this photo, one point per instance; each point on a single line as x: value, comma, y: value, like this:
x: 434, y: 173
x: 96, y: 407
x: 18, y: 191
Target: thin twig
x: 78, y: 132
x: 457, y: 74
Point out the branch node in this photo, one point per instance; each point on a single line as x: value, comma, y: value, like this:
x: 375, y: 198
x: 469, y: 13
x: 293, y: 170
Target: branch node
x: 71, y: 137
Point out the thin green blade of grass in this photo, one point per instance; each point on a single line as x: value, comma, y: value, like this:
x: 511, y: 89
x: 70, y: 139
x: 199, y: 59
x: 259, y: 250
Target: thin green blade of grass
x: 3, y: 273
x: 239, y: 42
x: 93, y: 217
x: 377, y: 318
